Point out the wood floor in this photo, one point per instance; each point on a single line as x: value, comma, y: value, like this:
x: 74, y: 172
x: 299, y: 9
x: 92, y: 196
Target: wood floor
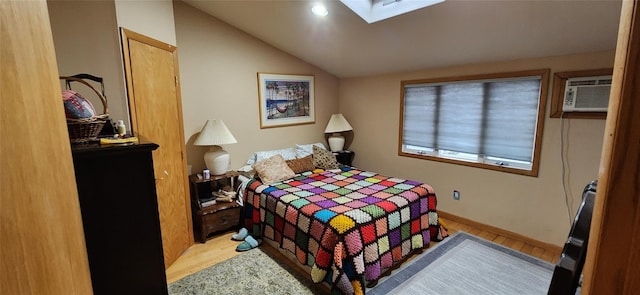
x: 221, y: 247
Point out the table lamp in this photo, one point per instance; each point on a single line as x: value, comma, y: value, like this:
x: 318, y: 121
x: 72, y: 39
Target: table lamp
x: 214, y: 133
x: 337, y: 124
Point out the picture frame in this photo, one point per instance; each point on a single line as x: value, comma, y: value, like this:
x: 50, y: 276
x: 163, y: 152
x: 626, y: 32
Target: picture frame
x: 285, y: 100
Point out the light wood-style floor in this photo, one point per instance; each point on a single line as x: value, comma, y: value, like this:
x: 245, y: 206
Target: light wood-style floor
x: 221, y: 247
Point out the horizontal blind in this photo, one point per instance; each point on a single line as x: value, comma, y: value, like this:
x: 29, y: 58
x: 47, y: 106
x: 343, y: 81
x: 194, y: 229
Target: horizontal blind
x: 419, y: 113
x: 451, y: 116
x: 512, y: 118
x: 460, y: 117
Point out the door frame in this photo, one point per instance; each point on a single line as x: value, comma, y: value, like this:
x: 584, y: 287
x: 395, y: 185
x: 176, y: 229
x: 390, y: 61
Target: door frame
x: 613, y: 252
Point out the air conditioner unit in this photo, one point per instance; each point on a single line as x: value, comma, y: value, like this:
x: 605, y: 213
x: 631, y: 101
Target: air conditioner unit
x: 587, y: 94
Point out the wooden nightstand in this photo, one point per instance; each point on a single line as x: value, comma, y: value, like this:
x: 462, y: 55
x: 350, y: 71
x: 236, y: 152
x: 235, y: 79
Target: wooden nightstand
x: 213, y: 218
x: 344, y: 157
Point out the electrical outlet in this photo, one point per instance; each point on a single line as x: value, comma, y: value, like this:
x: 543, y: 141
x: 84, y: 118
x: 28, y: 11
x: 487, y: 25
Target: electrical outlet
x: 456, y: 195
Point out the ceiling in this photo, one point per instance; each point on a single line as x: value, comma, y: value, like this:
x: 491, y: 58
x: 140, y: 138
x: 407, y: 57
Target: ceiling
x: 454, y: 32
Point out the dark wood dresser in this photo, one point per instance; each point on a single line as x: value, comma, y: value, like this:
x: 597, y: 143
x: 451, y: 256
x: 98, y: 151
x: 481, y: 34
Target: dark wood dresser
x: 116, y: 187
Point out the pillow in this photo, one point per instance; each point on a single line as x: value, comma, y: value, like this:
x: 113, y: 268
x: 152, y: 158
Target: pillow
x: 324, y: 159
x: 302, y: 164
x: 303, y: 150
x: 287, y: 154
x: 273, y: 169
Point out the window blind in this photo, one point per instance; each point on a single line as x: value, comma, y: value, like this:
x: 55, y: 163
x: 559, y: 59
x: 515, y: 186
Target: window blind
x: 489, y: 118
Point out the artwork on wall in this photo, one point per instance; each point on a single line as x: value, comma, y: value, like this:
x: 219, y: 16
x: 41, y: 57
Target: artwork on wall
x: 285, y: 100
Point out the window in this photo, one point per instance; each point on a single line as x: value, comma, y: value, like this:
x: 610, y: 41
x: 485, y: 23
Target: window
x: 489, y: 121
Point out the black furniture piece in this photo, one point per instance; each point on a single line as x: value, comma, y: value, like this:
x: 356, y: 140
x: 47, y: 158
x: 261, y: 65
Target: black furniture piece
x: 344, y: 157
x: 116, y: 188
x: 566, y: 275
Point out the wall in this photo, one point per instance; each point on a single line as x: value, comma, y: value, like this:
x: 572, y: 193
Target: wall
x: 150, y: 18
x: 218, y: 73
x: 531, y: 206
x: 219, y: 66
x: 85, y: 34
x: 87, y: 40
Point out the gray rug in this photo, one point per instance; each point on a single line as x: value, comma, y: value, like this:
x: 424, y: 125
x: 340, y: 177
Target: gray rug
x: 253, y: 272
x: 465, y: 264
x: 461, y: 264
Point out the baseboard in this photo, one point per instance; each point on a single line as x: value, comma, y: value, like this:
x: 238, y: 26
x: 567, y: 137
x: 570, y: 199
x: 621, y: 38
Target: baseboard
x: 549, y: 247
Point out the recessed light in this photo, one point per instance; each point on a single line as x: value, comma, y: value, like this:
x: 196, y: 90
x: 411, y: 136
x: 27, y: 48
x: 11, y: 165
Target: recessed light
x: 320, y: 9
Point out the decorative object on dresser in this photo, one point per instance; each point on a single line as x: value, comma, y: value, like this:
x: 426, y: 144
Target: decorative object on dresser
x: 83, y: 123
x: 117, y: 194
x: 213, y: 203
x: 215, y: 133
x: 337, y: 124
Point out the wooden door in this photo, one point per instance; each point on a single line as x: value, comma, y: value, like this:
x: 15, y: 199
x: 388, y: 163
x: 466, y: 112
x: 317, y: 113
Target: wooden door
x: 42, y: 249
x: 151, y: 70
x: 613, y: 254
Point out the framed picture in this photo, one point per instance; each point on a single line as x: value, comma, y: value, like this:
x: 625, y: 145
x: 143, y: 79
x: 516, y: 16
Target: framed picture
x: 285, y: 100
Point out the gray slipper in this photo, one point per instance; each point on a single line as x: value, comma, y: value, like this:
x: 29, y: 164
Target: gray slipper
x: 240, y: 235
x: 248, y: 244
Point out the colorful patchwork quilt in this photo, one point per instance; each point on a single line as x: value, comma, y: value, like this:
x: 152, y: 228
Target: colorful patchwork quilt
x: 348, y: 225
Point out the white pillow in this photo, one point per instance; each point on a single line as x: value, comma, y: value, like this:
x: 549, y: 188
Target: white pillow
x: 303, y: 150
x: 287, y: 154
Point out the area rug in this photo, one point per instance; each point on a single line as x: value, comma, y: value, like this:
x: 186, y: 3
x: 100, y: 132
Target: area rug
x: 465, y: 264
x: 252, y: 272
x: 461, y: 264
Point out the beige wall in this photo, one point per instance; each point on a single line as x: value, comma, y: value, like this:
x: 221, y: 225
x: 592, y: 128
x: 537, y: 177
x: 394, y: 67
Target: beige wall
x: 531, y: 206
x: 87, y: 40
x: 85, y: 34
x: 218, y: 73
x: 150, y: 18
x: 219, y: 66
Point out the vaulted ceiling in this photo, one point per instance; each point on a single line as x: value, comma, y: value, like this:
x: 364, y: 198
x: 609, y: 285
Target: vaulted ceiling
x: 453, y: 32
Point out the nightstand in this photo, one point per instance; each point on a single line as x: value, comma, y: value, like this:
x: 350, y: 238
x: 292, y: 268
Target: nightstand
x: 208, y: 219
x: 344, y: 157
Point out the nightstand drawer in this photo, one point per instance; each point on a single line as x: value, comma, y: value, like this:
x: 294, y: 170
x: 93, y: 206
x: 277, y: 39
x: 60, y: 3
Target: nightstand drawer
x: 215, y: 218
x: 221, y: 220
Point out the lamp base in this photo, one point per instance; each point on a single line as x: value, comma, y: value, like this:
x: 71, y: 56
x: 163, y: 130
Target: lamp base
x: 217, y: 160
x: 336, y: 142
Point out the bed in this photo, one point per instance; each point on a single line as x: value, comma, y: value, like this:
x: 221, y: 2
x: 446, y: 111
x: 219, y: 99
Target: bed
x: 347, y: 225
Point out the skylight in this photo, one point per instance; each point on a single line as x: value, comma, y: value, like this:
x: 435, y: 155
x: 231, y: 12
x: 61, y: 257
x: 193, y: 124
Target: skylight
x: 376, y: 10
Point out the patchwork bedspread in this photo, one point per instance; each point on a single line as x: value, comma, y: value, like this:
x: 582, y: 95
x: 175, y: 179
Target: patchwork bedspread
x: 347, y: 224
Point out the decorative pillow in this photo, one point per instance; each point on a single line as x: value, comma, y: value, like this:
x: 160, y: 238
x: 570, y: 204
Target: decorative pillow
x: 324, y: 159
x: 273, y: 169
x: 287, y: 154
x: 303, y: 150
x: 302, y: 164
x: 76, y: 106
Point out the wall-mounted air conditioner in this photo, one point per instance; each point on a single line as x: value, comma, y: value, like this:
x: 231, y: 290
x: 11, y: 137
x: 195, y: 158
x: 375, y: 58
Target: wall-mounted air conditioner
x: 587, y: 94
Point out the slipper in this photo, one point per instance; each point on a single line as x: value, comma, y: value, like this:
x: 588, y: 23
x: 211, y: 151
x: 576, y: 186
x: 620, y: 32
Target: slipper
x: 248, y: 244
x: 240, y: 235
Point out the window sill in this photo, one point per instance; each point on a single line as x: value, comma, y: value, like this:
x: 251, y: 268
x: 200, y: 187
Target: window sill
x: 533, y: 172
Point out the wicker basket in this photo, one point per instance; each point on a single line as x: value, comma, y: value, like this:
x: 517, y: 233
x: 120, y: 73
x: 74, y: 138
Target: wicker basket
x: 86, y: 129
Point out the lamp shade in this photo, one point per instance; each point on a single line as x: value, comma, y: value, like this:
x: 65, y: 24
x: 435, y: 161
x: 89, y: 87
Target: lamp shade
x: 337, y: 123
x: 214, y: 132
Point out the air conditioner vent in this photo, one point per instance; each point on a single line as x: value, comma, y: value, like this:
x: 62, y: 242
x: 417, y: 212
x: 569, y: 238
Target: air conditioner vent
x: 587, y: 94
x: 589, y: 82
